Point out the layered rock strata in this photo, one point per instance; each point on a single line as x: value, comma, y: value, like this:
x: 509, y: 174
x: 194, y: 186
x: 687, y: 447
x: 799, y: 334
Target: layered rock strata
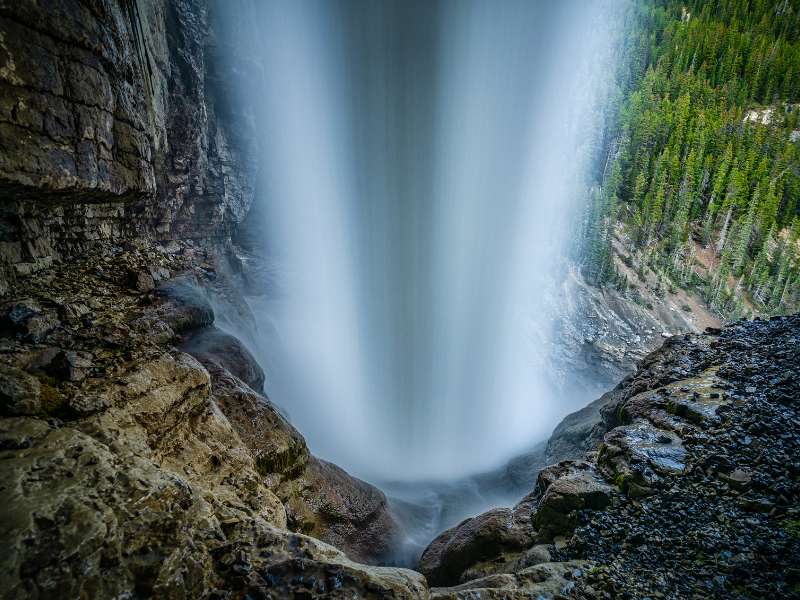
x: 114, y: 125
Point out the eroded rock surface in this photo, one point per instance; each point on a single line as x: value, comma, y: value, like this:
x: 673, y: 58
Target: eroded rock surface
x: 320, y: 498
x: 546, y: 580
x: 688, y: 485
x: 107, y: 526
x: 131, y: 468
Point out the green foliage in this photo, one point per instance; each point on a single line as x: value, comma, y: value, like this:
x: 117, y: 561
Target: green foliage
x: 792, y: 527
x: 705, y: 149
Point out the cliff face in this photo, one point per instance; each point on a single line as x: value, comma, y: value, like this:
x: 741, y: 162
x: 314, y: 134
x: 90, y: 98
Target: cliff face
x: 603, y: 333
x: 111, y: 128
x: 139, y: 455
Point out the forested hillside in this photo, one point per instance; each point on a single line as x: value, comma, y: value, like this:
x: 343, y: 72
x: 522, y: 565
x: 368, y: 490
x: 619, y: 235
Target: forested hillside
x: 702, y: 173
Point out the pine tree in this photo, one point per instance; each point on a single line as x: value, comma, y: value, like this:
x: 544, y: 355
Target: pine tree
x: 687, y: 155
x: 745, y: 231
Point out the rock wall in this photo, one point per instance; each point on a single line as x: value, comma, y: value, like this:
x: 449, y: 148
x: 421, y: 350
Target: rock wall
x: 113, y: 126
x: 603, y: 333
x: 139, y: 453
x: 133, y: 469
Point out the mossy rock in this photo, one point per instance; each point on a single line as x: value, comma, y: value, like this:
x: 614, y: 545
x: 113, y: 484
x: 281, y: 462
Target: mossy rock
x: 53, y: 402
x: 792, y: 527
x: 289, y: 463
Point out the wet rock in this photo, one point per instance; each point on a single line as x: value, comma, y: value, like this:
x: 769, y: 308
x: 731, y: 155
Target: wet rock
x: 278, y: 448
x: 116, y: 526
x: 321, y: 499
x: 20, y: 393
x: 477, y: 540
x: 547, y: 580
x: 27, y: 320
x: 636, y: 456
x: 583, y: 430
x: 212, y: 346
x: 702, y: 446
x: 143, y: 401
x: 332, y: 505
x: 566, y: 488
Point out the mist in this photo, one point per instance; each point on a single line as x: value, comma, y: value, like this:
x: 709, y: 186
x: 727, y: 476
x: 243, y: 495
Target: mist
x: 423, y: 171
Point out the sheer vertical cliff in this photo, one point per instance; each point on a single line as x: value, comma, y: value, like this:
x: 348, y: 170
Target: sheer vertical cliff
x: 113, y: 126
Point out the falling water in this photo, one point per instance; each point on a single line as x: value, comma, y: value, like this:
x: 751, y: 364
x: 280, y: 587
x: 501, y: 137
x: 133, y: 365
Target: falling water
x: 422, y: 168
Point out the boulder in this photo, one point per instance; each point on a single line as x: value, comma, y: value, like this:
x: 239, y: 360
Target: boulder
x: 321, y: 499
x: 566, y: 488
x: 485, y: 538
x: 212, y: 346
x: 332, y: 505
x: 163, y: 410
x: 279, y: 451
x: 638, y: 455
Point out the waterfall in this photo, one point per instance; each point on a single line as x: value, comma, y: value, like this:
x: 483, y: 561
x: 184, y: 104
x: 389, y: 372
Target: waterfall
x: 423, y: 167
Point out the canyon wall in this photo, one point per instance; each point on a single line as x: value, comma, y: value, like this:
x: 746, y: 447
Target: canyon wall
x: 114, y: 125
x: 139, y: 454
